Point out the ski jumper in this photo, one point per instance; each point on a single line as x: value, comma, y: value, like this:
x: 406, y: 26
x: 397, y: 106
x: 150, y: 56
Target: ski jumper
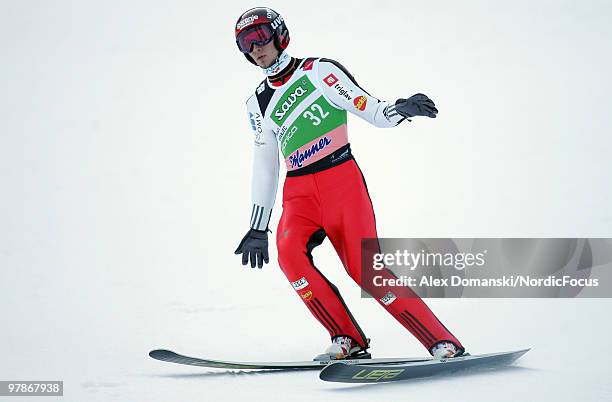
x: 325, y: 194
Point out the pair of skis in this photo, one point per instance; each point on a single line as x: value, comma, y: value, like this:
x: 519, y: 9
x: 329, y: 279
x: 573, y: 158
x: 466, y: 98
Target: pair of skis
x: 359, y: 370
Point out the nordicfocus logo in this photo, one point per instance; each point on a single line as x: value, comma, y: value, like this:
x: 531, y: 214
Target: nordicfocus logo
x: 247, y: 21
x: 298, y: 158
x: 388, y: 298
x: 290, y: 101
x: 300, y: 283
x: 330, y: 80
x: 360, y: 102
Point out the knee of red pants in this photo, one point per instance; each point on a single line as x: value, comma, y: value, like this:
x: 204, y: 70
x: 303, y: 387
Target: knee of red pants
x: 362, y: 274
x: 366, y: 278
x: 290, y: 253
x: 354, y: 252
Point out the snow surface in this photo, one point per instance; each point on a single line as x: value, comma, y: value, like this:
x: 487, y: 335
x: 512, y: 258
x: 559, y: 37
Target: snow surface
x: 125, y: 165
x: 106, y: 358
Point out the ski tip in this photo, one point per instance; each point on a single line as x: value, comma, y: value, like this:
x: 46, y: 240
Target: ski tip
x: 521, y: 352
x: 357, y: 373
x: 161, y: 354
x: 331, y: 370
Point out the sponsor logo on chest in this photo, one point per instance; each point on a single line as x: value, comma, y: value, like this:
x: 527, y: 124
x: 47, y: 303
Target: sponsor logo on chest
x: 298, y: 158
x: 285, y: 136
x: 293, y: 97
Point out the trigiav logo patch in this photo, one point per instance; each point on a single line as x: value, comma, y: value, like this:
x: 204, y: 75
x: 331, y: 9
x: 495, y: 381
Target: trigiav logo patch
x: 346, y: 93
x: 330, y: 80
x: 298, y: 158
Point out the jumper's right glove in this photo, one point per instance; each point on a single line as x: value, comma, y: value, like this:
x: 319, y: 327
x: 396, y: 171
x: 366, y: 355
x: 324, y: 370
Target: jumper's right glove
x: 416, y: 105
x: 254, y: 245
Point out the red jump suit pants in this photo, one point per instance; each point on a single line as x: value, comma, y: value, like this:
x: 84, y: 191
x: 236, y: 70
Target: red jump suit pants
x: 335, y: 203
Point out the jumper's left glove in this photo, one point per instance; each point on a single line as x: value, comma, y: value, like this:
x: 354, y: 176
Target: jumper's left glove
x: 416, y: 105
x: 254, y: 245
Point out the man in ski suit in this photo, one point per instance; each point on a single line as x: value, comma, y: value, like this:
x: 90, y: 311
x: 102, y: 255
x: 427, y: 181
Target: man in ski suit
x: 300, y: 109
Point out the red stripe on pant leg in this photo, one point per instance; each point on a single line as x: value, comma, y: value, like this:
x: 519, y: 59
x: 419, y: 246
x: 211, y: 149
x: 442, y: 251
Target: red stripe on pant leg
x: 414, y: 330
x: 334, y: 329
x: 421, y: 325
x: 451, y: 338
x: 353, y: 329
x: 316, y: 314
x: 355, y: 332
x: 410, y: 328
x: 318, y: 303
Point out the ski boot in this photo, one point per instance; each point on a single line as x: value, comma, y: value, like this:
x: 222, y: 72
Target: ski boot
x: 445, y: 350
x: 344, y: 347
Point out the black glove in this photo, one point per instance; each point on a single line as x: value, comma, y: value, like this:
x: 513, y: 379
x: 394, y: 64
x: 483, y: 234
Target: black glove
x: 416, y: 105
x: 254, y: 244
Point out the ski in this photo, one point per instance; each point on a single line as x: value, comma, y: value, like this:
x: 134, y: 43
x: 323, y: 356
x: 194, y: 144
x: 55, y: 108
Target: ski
x: 173, y: 357
x: 376, y: 373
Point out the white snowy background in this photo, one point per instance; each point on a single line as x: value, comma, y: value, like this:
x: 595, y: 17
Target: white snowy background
x: 125, y: 164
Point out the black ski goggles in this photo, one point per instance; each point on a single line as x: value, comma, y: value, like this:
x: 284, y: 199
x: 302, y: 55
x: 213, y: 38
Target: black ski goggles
x: 259, y: 35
